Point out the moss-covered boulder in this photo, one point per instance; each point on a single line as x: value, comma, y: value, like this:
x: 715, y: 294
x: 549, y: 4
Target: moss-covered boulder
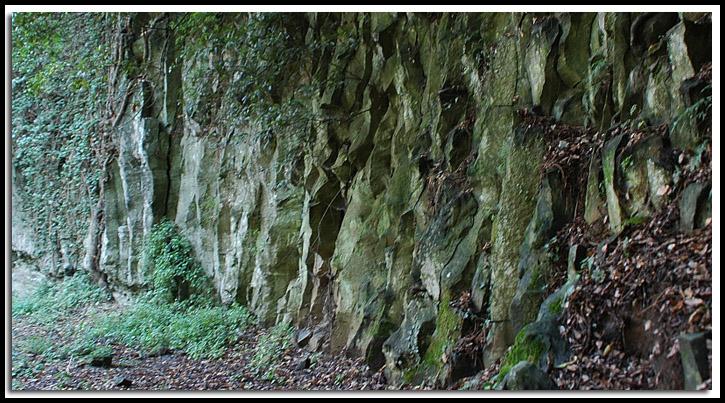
x: 526, y: 376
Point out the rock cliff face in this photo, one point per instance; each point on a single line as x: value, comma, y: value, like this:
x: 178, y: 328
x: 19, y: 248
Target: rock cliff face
x: 414, y: 179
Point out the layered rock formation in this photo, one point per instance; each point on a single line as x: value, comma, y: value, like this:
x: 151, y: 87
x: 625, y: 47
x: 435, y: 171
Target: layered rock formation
x: 412, y: 180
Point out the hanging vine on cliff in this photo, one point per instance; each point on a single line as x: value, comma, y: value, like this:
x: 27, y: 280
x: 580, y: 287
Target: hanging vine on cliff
x: 59, y: 84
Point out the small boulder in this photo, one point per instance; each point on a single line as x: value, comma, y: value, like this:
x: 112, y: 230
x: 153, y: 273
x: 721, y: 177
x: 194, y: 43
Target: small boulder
x: 122, y: 381
x: 302, y: 363
x: 693, y: 352
x: 526, y: 376
x: 693, y: 204
x: 302, y: 337
x: 103, y: 361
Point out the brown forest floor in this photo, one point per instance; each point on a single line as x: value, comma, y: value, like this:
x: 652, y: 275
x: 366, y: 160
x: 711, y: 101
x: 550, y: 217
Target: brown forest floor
x: 132, y: 369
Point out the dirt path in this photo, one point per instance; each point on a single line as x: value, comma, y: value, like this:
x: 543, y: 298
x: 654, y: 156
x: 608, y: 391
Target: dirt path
x: 130, y: 369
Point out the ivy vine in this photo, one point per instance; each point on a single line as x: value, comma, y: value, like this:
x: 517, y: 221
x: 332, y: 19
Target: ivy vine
x: 59, y: 90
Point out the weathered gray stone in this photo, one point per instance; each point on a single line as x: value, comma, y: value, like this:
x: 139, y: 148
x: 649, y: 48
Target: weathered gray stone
x: 104, y: 361
x: 550, y: 215
x: 481, y: 283
x: 552, y: 308
x: 643, y: 173
x: 302, y: 337
x: 694, y: 204
x: 302, y: 363
x: 572, y: 63
x: 569, y: 108
x: 538, y: 61
x: 122, y: 381
x: 403, y: 348
x: 518, y: 189
x: 574, y: 259
x: 693, y: 351
x: 609, y: 166
x: 525, y: 305
x: 594, y: 208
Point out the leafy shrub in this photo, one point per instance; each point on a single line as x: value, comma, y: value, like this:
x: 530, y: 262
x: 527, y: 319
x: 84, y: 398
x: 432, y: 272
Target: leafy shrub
x: 178, y: 313
x: 176, y: 276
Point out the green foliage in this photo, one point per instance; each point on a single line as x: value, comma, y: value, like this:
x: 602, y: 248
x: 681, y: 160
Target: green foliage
x: 253, y: 58
x: 176, y: 276
x: 59, y: 91
x: 556, y: 307
x: 179, y: 313
x: 201, y: 331
x: 699, y: 111
x: 54, y: 300
x: 40, y: 346
x: 88, y: 348
x: 626, y: 163
x: 64, y: 379
x: 269, y: 349
x: 634, y: 220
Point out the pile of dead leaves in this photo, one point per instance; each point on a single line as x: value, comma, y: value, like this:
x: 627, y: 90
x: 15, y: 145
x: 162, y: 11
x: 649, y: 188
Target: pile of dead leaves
x: 638, y: 291
x: 623, y: 319
x: 567, y: 149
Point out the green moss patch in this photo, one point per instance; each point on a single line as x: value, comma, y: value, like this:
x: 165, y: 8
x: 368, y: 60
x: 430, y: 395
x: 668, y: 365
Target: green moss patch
x: 526, y: 348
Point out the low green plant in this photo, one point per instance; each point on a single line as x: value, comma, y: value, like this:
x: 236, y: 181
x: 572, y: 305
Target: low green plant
x: 164, y: 318
x: 38, y: 346
x: 268, y: 350
x: 87, y: 348
x: 201, y: 331
x: 55, y: 299
x: 634, y: 220
x: 556, y: 307
x: 627, y: 163
x: 64, y: 379
x: 51, y: 306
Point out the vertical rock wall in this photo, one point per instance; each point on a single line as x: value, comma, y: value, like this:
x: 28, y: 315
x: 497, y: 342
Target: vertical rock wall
x: 419, y: 183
